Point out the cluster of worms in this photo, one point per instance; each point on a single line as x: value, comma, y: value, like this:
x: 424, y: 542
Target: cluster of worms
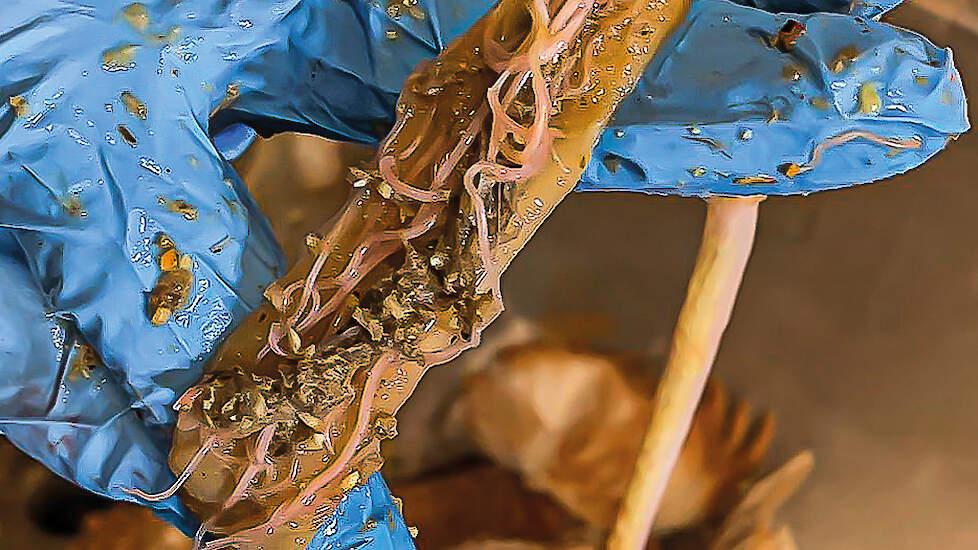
x: 489, y: 137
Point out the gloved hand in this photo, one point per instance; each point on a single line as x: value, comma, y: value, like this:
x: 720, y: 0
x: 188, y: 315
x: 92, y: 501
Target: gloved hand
x: 116, y: 116
x: 122, y: 224
x: 723, y: 111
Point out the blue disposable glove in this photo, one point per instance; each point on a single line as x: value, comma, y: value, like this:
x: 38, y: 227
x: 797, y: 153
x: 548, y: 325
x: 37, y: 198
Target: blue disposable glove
x: 722, y: 112
x: 109, y: 114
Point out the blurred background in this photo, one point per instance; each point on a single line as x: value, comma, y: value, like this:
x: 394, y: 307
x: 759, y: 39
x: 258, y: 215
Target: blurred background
x: 856, y: 328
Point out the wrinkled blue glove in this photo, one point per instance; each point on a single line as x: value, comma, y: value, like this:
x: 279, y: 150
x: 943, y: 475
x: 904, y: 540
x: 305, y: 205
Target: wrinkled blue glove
x: 113, y: 112
x: 722, y: 112
x: 107, y: 114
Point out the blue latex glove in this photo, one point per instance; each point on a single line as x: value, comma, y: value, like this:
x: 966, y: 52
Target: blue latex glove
x: 105, y: 123
x: 367, y: 518
x: 868, y: 9
x: 320, y: 66
x: 700, y: 121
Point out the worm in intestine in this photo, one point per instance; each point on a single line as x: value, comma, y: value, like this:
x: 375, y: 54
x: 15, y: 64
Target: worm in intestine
x: 407, y: 275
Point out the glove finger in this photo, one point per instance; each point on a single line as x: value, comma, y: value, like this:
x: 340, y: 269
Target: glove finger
x: 341, y: 69
x: 367, y: 519
x: 868, y: 9
x: 722, y: 112
x: 129, y: 221
x: 873, y: 9
x: 60, y: 405
x: 799, y: 6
